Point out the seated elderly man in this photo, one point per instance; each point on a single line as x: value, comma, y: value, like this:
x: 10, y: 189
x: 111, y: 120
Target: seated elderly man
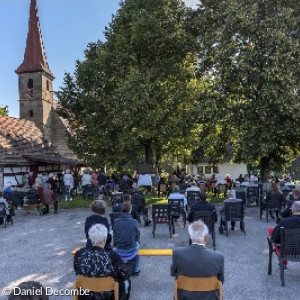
x: 209, y: 262
x: 126, y: 235
x: 97, y: 262
x: 231, y: 199
x: 202, y: 205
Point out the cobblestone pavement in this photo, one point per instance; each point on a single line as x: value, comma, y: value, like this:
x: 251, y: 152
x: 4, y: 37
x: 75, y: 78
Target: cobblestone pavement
x: 38, y: 248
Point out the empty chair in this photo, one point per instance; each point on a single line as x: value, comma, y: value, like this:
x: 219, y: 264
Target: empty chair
x: 160, y: 215
x: 197, y: 284
x: 253, y: 194
x: 289, y: 249
x: 208, y: 217
x: 138, y: 198
x: 192, y: 197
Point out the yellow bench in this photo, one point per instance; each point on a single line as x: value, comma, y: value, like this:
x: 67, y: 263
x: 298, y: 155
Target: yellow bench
x: 145, y: 252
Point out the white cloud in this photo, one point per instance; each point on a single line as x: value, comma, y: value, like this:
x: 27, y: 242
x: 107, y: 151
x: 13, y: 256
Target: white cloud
x: 191, y: 3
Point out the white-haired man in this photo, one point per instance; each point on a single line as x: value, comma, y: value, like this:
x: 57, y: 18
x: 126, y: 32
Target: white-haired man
x: 209, y: 262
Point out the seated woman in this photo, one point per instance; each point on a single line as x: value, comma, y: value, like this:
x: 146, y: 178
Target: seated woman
x: 99, y: 208
x: 273, y: 195
x: 97, y: 262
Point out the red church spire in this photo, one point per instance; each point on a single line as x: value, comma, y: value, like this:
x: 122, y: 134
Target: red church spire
x: 34, y: 58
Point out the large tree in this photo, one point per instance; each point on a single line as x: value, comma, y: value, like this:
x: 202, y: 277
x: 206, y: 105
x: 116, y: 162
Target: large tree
x: 250, y: 51
x: 135, y: 94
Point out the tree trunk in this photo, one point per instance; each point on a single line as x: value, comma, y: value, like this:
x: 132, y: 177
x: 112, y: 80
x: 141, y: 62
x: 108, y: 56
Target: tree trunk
x: 148, y: 153
x: 264, y: 169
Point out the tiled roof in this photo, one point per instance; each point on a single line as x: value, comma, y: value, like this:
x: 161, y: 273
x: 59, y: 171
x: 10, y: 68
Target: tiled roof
x: 22, y: 141
x: 34, y: 58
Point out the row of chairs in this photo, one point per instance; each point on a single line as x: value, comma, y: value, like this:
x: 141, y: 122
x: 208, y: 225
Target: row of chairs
x: 191, y: 284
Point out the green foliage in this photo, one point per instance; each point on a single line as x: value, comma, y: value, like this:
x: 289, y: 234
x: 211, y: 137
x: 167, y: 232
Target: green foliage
x: 3, y: 110
x: 250, y: 51
x: 133, y: 97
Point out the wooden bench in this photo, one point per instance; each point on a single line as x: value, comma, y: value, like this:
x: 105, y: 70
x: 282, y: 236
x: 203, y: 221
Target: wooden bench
x: 144, y: 252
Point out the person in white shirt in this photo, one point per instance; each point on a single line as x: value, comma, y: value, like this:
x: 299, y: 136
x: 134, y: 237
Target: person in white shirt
x: 86, y: 180
x: 68, y: 182
x: 176, y: 195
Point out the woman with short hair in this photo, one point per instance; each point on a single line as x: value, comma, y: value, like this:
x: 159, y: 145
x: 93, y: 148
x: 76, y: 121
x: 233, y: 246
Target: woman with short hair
x: 98, y: 207
x: 95, y: 261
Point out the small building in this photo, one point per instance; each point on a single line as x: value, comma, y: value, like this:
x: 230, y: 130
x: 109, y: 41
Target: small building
x: 38, y: 140
x: 226, y: 166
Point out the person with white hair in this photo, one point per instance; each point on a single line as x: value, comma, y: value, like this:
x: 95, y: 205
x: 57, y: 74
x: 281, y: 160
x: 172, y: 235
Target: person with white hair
x: 95, y: 261
x: 209, y: 262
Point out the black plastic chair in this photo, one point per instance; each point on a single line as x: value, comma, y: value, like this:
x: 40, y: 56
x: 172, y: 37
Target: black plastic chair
x: 116, y: 198
x: 208, y: 217
x: 176, y: 209
x: 253, y: 194
x: 138, y: 198
x: 233, y: 211
x: 240, y: 193
x: 273, y: 204
x: 160, y: 215
x: 289, y: 249
x: 192, y: 197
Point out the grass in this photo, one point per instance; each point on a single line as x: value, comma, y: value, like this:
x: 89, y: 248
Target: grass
x: 79, y: 202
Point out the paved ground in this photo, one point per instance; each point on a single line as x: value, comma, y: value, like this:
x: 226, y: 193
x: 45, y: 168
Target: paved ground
x: 38, y: 248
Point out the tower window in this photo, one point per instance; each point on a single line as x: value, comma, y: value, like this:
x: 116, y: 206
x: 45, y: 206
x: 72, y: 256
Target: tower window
x: 31, y: 113
x: 30, y: 83
x: 47, y: 85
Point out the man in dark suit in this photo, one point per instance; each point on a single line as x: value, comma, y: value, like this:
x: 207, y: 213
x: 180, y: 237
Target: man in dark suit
x: 209, y: 262
x: 202, y: 205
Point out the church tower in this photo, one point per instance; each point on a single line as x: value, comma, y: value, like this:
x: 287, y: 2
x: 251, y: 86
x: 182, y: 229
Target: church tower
x: 35, y: 78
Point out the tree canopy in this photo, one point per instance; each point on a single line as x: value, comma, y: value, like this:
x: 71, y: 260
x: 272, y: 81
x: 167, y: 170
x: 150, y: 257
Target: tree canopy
x: 250, y: 51
x: 137, y: 92
x: 190, y: 83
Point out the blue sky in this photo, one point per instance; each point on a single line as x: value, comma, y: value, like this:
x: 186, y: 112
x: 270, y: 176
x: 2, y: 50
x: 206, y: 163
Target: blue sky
x: 67, y: 27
